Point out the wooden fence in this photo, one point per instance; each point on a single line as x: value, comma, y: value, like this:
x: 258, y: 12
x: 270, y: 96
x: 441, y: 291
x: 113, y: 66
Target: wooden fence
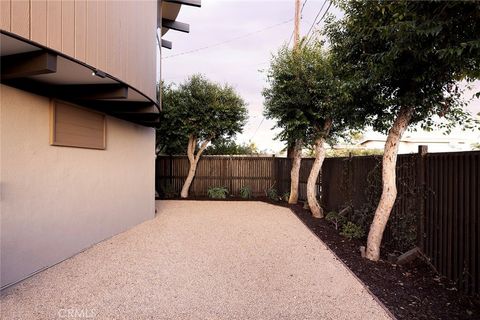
x: 437, y: 206
x: 259, y: 173
x: 452, y: 216
x: 217, y: 171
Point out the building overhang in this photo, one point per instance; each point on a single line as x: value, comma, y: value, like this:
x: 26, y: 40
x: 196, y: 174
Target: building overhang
x: 167, y: 16
x: 193, y: 3
x: 29, y: 66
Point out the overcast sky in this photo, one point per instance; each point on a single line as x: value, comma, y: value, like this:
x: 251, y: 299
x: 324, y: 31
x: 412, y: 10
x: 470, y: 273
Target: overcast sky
x: 241, y: 60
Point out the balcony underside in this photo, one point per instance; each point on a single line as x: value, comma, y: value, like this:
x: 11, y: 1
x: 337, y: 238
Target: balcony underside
x: 31, y: 67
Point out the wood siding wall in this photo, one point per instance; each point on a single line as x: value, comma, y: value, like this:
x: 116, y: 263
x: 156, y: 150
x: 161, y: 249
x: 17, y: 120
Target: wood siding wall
x: 115, y: 36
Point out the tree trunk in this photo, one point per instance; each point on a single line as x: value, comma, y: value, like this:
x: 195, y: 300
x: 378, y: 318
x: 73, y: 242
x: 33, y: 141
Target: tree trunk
x: 290, y: 149
x: 188, y: 181
x: 193, y: 159
x: 389, y: 187
x: 315, y: 208
x: 295, y: 172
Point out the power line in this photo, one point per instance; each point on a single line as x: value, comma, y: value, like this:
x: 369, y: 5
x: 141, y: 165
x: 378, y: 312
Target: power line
x: 323, y: 16
x: 325, y: 13
x: 251, y: 139
x: 303, y: 5
x: 227, y: 41
x: 316, y: 17
x: 291, y: 37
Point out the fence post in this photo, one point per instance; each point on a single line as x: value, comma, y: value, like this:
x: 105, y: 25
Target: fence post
x: 420, y: 186
x: 274, y: 173
x: 171, y: 170
x: 230, y: 174
x: 350, y: 182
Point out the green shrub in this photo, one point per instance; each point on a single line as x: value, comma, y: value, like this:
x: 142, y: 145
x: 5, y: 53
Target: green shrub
x: 246, y: 192
x: 336, y: 219
x: 286, y: 196
x: 352, y: 231
x: 272, y: 194
x: 217, y: 192
x: 168, y: 191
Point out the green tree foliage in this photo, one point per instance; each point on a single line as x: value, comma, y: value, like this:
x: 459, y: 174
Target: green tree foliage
x: 407, y: 58
x: 284, y: 97
x: 410, y: 54
x: 225, y: 146
x: 304, y: 91
x: 201, y: 109
x: 171, y: 139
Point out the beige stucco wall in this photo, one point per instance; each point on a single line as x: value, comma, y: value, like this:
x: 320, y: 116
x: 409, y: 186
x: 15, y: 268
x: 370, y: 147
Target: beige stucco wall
x: 56, y: 201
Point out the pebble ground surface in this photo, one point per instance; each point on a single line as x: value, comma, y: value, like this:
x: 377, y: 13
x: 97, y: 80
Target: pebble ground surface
x: 199, y: 260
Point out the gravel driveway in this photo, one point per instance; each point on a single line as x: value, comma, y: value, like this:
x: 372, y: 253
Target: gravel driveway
x: 199, y: 260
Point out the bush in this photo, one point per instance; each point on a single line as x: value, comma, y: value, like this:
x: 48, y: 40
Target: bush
x: 336, y: 219
x: 217, y: 192
x: 352, y: 231
x: 246, y: 192
x: 168, y: 191
x: 286, y: 196
x: 272, y: 194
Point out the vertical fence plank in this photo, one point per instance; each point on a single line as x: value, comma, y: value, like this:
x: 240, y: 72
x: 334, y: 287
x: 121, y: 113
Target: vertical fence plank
x: 474, y: 223
x: 463, y: 220
x: 420, y: 189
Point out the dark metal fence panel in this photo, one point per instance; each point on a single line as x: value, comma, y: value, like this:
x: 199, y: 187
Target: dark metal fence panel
x: 347, y: 181
x: 452, y: 214
x: 283, y: 166
x: 305, y: 167
x: 357, y: 182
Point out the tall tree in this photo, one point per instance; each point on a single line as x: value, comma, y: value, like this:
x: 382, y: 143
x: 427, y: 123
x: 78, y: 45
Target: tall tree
x: 410, y: 55
x: 196, y: 112
x: 303, y: 83
x: 283, y: 103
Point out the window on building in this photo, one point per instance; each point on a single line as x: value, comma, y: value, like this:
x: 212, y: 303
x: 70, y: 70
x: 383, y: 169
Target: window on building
x: 73, y: 126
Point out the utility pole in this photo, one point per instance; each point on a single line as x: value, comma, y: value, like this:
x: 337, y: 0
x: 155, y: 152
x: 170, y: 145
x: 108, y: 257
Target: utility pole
x: 296, y: 39
x: 296, y: 30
